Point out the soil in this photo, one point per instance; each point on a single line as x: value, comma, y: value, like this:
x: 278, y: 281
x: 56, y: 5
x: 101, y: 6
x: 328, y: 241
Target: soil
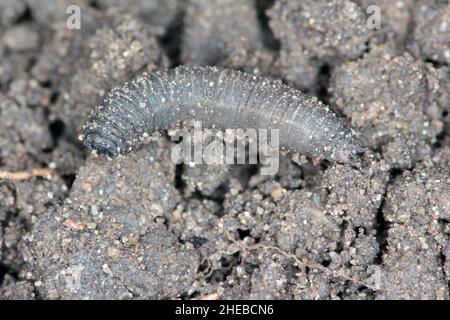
x: 142, y: 227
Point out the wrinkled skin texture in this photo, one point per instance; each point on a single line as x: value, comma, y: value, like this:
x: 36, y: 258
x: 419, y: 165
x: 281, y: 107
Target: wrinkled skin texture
x: 223, y: 98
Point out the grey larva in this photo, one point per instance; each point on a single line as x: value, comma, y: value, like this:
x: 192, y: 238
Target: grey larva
x: 222, y: 98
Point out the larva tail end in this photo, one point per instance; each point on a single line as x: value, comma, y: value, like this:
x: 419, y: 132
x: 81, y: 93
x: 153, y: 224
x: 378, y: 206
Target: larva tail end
x: 102, y: 144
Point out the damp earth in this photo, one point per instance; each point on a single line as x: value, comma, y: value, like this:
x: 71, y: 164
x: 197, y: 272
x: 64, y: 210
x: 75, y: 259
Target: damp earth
x: 74, y: 225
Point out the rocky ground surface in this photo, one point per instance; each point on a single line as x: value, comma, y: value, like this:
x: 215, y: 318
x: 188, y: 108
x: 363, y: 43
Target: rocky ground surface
x: 73, y: 225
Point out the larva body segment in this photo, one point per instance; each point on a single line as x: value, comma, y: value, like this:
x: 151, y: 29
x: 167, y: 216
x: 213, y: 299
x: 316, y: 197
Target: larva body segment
x: 220, y: 98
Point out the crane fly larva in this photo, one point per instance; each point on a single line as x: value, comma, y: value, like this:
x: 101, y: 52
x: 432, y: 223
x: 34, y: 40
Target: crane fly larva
x: 220, y: 98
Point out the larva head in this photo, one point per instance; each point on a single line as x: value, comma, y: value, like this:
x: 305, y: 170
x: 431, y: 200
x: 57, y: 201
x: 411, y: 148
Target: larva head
x: 350, y: 154
x: 328, y: 137
x: 347, y: 150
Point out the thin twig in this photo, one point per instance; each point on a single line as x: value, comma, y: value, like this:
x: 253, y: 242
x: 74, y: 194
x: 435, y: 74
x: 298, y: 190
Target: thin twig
x: 24, y: 175
x: 311, y: 265
x: 318, y: 266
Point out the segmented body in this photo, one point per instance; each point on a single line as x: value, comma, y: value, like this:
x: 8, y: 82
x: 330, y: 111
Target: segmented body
x: 220, y: 98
